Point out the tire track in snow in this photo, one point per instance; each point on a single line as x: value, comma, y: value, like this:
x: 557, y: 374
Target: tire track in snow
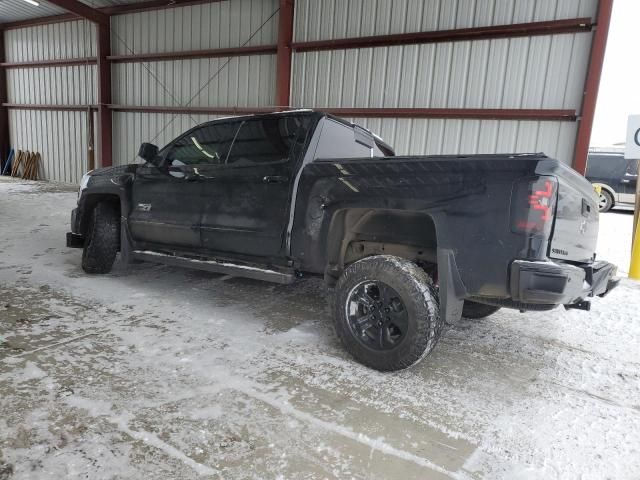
x: 374, y: 444
x: 98, y: 409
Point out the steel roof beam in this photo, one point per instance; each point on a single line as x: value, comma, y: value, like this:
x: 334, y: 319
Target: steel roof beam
x: 83, y: 10
x: 553, y: 27
x: 114, y: 10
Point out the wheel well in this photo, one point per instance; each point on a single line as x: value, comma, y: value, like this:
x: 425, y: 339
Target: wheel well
x: 358, y: 233
x: 608, y: 189
x: 90, y: 203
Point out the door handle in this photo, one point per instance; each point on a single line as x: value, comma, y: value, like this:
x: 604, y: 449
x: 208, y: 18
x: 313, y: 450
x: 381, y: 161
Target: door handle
x: 625, y: 181
x: 274, y: 179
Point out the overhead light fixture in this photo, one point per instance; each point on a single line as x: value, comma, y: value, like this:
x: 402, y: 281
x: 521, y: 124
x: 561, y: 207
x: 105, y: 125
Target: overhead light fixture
x: 33, y: 2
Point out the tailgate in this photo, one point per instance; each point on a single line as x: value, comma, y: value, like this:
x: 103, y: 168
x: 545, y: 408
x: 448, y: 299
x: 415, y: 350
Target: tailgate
x: 575, y: 231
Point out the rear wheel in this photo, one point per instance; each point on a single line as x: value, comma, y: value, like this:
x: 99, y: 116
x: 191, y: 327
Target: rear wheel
x: 386, y: 312
x: 477, y: 310
x: 605, y: 202
x: 102, y: 239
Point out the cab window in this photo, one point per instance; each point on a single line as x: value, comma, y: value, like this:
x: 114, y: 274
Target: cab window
x: 267, y: 140
x: 339, y: 141
x: 207, y: 145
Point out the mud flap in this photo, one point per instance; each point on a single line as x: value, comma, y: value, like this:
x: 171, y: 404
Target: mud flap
x: 126, y: 244
x: 452, y: 290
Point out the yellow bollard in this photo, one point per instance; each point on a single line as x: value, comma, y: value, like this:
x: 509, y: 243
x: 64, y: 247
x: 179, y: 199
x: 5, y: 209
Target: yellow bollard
x: 634, y: 268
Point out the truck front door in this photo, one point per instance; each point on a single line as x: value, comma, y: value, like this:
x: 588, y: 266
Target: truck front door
x: 167, y: 200
x: 164, y: 207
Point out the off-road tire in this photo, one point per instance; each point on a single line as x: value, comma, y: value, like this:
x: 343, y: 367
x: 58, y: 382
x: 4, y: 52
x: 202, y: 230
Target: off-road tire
x: 476, y: 311
x: 420, y: 299
x: 608, y: 199
x: 102, y: 239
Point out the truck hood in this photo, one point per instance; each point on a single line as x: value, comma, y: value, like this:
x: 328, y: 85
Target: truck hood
x: 114, y: 171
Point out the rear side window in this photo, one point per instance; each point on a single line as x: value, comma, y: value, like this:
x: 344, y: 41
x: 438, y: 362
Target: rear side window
x: 632, y: 168
x: 339, y: 141
x: 209, y: 144
x: 267, y: 140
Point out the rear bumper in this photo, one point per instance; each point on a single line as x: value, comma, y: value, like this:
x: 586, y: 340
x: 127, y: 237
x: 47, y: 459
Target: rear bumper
x: 553, y: 283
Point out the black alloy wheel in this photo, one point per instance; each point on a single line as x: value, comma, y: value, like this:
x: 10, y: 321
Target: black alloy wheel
x: 377, y: 316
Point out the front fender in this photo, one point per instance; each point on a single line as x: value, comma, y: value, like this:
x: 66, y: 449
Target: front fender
x: 103, y: 187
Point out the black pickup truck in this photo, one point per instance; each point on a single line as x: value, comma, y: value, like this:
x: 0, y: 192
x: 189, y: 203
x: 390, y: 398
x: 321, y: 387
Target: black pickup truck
x: 407, y: 243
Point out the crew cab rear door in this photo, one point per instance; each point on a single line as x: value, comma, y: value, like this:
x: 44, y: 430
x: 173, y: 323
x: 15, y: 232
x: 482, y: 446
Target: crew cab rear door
x: 246, y: 201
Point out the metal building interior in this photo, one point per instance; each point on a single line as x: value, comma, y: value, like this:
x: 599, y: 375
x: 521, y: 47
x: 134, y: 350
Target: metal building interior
x: 160, y: 370
x: 84, y: 83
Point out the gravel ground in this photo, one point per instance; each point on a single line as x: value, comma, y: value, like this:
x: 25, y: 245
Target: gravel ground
x: 159, y: 372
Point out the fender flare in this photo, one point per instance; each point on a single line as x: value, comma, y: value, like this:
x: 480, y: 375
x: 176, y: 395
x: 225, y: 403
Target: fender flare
x: 89, y: 198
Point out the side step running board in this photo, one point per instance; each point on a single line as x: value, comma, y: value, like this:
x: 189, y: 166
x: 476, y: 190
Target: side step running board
x: 246, y: 271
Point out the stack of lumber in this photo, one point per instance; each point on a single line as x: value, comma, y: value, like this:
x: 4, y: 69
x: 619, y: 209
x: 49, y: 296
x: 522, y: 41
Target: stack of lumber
x: 26, y: 165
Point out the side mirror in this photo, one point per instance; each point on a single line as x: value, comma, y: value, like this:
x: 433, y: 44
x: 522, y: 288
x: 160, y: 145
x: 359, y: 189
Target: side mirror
x: 149, y: 152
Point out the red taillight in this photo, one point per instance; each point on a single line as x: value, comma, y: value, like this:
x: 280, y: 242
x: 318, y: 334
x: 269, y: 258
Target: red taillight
x: 533, y: 203
x: 541, y: 200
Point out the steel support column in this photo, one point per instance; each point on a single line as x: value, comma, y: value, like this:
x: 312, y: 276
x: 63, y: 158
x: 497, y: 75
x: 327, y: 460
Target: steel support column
x: 103, y: 35
x: 592, y: 85
x: 105, y: 127
x: 4, y: 112
x: 285, y: 39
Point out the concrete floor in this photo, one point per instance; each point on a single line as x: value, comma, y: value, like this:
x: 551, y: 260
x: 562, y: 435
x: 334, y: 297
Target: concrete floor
x: 159, y: 372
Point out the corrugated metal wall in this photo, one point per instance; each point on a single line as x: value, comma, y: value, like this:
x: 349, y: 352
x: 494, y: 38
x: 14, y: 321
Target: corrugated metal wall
x: 448, y: 137
x: 328, y: 19
x: 523, y: 73
x: 544, y: 72
x: 59, y: 136
x: 247, y: 81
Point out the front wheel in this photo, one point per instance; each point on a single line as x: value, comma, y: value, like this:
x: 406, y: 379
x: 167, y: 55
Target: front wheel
x: 386, y: 312
x: 102, y: 239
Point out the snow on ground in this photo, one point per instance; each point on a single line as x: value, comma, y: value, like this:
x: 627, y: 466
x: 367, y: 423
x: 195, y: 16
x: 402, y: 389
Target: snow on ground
x: 614, y: 239
x: 160, y: 372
